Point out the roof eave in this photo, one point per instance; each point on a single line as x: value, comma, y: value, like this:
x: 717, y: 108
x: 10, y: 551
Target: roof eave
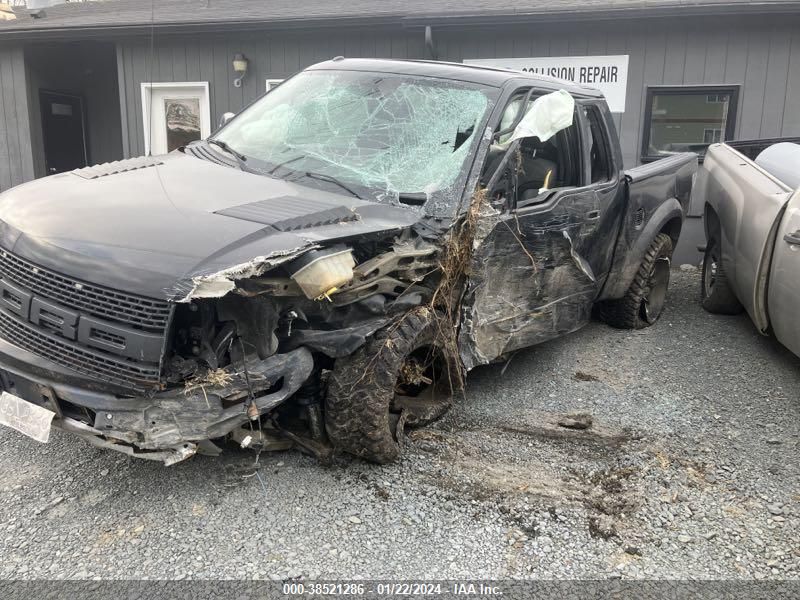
x: 582, y: 14
x: 439, y: 20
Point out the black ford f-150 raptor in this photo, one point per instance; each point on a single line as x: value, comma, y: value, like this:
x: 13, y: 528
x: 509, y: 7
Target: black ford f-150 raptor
x: 325, y: 268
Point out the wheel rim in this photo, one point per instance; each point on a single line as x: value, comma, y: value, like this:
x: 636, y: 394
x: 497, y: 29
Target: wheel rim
x: 710, y: 272
x: 657, y: 284
x: 424, y: 388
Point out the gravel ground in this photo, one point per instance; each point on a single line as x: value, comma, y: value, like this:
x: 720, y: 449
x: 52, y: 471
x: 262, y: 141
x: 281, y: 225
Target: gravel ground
x: 688, y: 470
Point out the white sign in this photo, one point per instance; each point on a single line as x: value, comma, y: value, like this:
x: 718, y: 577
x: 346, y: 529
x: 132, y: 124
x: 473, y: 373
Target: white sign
x: 609, y: 74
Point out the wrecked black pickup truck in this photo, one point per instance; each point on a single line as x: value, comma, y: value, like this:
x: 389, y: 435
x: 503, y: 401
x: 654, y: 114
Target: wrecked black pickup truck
x: 324, y: 269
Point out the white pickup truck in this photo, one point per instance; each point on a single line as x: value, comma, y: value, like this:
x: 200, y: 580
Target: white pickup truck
x: 751, y: 193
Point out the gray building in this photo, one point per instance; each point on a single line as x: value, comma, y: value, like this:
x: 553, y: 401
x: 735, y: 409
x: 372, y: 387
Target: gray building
x: 92, y: 82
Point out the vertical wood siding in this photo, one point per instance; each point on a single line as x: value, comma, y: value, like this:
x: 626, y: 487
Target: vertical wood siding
x: 16, y: 157
x: 762, y: 55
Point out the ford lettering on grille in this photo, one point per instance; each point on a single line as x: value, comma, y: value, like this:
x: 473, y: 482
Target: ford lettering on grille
x: 125, y: 352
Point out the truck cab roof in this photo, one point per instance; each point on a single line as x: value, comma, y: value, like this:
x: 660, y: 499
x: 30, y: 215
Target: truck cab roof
x: 489, y: 76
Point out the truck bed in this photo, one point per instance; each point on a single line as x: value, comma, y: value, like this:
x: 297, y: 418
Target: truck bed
x: 752, y: 148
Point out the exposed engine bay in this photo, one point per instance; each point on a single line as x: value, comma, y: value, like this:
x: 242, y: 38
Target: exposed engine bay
x: 232, y: 362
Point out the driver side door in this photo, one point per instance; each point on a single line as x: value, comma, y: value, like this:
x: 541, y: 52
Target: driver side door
x: 536, y: 271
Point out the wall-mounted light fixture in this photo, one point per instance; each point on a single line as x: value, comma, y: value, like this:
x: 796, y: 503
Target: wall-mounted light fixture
x: 240, y: 64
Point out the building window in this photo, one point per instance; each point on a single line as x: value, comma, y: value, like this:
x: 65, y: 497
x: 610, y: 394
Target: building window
x: 687, y: 119
x: 712, y: 136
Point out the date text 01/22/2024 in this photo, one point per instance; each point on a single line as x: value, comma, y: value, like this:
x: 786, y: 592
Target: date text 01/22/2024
x: 391, y: 589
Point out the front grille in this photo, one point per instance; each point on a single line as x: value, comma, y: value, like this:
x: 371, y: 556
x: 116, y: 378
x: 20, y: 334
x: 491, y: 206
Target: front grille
x: 105, y: 336
x: 109, y: 335
x: 116, y: 370
x: 101, y: 302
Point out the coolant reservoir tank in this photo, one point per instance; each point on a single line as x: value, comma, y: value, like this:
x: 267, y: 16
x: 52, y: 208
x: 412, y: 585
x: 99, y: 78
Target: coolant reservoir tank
x: 782, y: 161
x: 320, y: 272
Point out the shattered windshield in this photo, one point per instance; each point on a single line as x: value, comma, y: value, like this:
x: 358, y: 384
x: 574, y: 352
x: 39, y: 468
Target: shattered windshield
x: 381, y: 135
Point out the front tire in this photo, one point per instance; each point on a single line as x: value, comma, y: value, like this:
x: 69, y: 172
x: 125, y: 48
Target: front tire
x: 716, y: 294
x: 644, y: 301
x: 404, y: 375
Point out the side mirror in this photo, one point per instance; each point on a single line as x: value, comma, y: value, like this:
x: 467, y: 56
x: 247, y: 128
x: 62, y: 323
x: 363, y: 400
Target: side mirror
x: 225, y: 118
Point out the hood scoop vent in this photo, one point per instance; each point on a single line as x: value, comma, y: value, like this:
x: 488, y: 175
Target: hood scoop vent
x: 288, y: 213
x: 198, y: 151
x: 118, y: 166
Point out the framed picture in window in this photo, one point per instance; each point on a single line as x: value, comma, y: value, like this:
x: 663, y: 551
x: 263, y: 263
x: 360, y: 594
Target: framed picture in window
x: 174, y: 114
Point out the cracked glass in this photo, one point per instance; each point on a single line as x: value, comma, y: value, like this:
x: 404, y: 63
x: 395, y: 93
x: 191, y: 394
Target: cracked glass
x: 381, y: 136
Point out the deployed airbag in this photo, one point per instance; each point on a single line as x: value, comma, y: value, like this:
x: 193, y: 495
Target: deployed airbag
x: 547, y: 115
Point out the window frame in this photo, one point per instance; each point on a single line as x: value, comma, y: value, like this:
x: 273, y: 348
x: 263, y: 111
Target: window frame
x: 198, y: 89
x: 702, y: 91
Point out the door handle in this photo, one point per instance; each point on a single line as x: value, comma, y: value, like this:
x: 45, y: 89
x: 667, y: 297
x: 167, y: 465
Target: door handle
x: 593, y: 215
x: 792, y: 239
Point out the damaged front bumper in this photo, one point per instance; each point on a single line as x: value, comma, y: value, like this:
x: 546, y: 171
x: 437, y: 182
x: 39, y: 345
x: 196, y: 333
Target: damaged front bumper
x: 169, y: 426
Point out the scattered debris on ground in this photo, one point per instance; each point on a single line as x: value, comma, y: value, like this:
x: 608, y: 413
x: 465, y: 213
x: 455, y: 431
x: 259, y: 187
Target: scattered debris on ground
x: 676, y: 475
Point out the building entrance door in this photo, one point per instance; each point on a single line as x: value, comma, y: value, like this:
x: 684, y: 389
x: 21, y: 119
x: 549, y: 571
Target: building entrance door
x: 64, y: 132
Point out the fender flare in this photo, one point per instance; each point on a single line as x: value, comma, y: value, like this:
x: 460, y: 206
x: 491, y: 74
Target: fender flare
x: 632, y: 245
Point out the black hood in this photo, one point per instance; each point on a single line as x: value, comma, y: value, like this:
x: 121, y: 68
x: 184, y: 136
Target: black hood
x: 151, y: 226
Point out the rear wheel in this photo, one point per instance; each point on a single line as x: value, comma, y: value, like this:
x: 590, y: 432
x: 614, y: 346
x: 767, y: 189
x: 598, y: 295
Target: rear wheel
x: 644, y: 301
x: 403, y: 376
x: 716, y: 294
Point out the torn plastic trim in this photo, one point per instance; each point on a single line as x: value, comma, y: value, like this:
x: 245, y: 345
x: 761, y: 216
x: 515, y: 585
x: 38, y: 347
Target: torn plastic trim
x: 220, y: 283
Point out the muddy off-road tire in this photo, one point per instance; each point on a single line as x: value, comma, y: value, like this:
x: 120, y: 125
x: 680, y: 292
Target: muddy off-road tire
x: 383, y: 386
x: 716, y: 295
x: 644, y: 301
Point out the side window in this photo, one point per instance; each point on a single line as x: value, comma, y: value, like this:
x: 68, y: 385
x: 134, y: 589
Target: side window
x: 538, y: 166
x: 599, y: 152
